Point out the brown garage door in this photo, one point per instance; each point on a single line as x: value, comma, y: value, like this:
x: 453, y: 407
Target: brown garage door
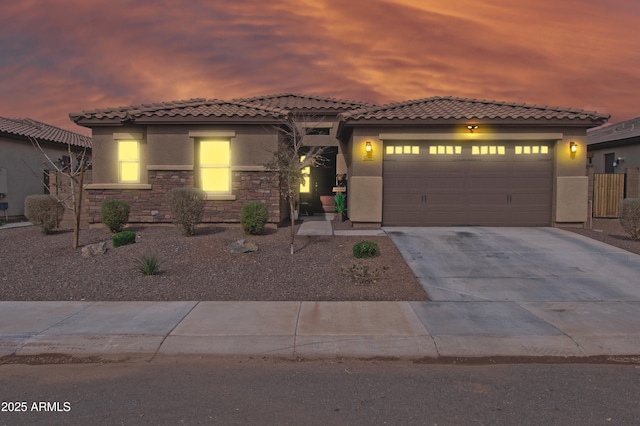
x: 483, y: 183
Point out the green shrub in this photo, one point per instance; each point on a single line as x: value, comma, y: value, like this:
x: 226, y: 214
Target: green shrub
x: 365, y: 249
x: 630, y: 217
x: 123, y: 238
x: 254, y: 217
x: 114, y: 214
x: 187, y: 206
x: 148, y: 265
x: 43, y: 211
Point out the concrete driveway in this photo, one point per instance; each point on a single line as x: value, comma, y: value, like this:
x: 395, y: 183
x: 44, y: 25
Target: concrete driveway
x: 517, y: 264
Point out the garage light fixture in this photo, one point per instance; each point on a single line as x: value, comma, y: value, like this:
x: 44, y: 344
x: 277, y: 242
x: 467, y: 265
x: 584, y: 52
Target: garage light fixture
x: 472, y: 127
x: 368, y: 150
x: 573, y: 147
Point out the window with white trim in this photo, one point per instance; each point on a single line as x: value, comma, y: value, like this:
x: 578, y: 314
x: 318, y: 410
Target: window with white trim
x: 128, y: 161
x: 215, y: 166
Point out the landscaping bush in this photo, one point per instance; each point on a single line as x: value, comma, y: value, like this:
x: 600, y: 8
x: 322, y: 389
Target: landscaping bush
x: 124, y: 238
x: 114, y: 214
x: 254, y: 218
x: 630, y: 217
x: 43, y: 211
x: 365, y: 249
x: 148, y: 265
x: 187, y: 206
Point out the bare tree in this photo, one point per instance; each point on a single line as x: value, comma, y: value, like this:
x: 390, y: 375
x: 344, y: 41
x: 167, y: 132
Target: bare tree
x: 289, y: 165
x: 74, y: 178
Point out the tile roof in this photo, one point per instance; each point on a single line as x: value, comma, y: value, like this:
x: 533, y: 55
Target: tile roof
x: 614, y: 132
x: 28, y: 128
x: 296, y: 102
x: 450, y: 108
x: 186, y: 108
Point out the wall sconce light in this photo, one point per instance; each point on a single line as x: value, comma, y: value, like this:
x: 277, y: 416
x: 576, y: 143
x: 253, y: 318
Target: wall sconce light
x: 368, y: 150
x: 573, y: 147
x: 472, y: 127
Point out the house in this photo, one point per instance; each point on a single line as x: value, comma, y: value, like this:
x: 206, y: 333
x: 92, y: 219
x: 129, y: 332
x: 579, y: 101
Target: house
x: 430, y: 162
x: 615, y: 149
x: 613, y: 165
x: 23, y: 169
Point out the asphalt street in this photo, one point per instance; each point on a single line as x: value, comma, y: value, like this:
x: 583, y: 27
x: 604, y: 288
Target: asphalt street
x: 245, y: 391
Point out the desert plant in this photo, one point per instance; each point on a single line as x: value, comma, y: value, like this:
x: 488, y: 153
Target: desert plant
x: 148, y: 265
x: 254, y: 217
x: 365, y: 249
x: 187, y: 207
x: 114, y: 214
x: 124, y: 238
x: 630, y: 217
x: 341, y: 203
x: 43, y: 211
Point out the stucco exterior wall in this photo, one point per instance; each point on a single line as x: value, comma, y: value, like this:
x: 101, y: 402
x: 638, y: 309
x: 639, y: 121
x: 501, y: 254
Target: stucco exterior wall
x: 168, y: 160
x: 629, y: 153
x: 24, y: 171
x: 569, y: 195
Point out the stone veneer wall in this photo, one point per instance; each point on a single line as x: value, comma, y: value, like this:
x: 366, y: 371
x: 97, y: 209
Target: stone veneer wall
x: 150, y: 206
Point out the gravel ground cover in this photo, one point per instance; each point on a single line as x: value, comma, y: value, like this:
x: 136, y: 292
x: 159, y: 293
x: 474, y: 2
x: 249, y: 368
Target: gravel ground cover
x: 609, y: 231
x: 45, y: 267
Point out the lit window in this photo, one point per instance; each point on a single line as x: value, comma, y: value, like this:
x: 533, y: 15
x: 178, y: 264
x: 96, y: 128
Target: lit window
x: 415, y: 150
x: 445, y: 150
x: 398, y: 150
x: 305, y: 186
x: 534, y: 149
x: 488, y: 150
x: 128, y: 162
x: 390, y: 149
x: 215, y: 166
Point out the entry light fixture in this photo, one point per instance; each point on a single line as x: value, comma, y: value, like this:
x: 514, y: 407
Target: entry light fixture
x: 573, y: 147
x: 472, y: 127
x: 368, y: 150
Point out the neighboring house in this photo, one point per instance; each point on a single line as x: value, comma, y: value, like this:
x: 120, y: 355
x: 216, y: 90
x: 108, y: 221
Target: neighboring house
x: 428, y: 162
x: 23, y: 169
x: 614, y: 150
x: 615, y: 147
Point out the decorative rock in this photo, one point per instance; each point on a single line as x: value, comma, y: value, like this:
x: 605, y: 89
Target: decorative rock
x: 96, y: 249
x: 241, y: 246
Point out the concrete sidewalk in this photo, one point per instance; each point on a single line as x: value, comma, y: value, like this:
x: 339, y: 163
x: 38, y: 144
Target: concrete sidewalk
x: 312, y: 330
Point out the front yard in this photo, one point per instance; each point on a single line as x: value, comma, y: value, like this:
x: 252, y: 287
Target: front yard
x: 44, y: 267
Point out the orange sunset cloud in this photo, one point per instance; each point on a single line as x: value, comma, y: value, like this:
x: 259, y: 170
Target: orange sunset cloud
x: 68, y: 55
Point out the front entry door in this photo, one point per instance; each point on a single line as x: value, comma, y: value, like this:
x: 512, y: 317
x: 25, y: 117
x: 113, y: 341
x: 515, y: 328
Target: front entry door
x: 322, y: 179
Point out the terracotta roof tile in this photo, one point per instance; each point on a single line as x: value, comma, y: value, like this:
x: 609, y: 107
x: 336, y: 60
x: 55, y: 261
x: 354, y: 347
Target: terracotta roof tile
x: 26, y: 127
x: 294, y: 102
x: 450, y: 108
x: 186, y: 108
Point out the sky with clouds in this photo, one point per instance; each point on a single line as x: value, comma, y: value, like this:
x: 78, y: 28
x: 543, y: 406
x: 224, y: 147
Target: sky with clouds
x: 62, y: 56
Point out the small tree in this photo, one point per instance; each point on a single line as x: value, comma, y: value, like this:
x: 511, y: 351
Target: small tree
x: 74, y: 174
x: 287, y: 163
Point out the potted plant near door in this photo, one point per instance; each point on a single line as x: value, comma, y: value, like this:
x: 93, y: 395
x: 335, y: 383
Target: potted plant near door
x: 341, y: 207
